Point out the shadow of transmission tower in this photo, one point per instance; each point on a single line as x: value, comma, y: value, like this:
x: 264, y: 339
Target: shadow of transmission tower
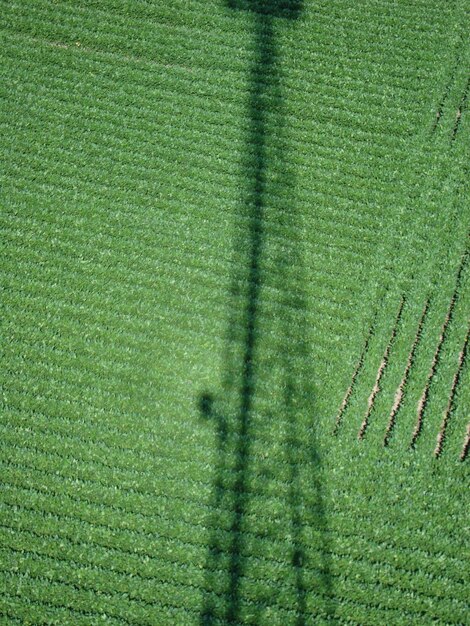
x: 268, y: 463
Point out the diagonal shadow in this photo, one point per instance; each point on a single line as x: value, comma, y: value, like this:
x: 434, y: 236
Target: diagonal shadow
x: 269, y: 261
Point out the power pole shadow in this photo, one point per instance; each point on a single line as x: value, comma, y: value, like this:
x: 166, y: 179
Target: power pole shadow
x: 267, y: 403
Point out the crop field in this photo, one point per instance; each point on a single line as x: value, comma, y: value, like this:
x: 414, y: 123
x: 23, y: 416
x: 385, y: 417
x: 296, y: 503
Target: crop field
x: 235, y: 312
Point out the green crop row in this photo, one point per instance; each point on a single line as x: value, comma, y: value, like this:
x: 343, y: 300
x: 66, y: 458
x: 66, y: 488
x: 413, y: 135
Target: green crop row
x: 204, y: 209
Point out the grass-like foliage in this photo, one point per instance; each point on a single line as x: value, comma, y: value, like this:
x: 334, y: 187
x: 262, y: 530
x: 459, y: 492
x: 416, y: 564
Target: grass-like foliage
x: 235, y: 234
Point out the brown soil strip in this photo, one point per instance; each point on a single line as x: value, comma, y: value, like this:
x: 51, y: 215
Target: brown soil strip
x: 357, y: 369
x: 461, y: 109
x: 435, y: 359
x: 466, y: 444
x: 401, y: 387
x: 380, y: 373
x: 450, y: 403
x: 440, y: 108
x: 447, y: 88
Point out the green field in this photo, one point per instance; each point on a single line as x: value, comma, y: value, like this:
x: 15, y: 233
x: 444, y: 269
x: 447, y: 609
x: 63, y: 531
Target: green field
x: 235, y: 384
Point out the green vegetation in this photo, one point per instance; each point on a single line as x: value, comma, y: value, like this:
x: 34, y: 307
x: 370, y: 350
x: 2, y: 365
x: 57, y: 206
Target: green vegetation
x: 216, y: 218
